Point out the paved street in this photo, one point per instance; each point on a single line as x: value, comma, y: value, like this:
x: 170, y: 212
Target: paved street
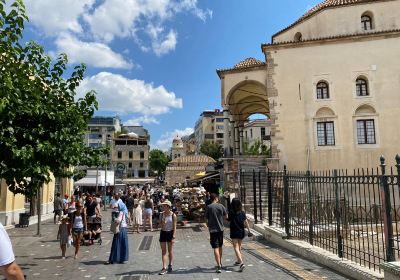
x: 40, y: 258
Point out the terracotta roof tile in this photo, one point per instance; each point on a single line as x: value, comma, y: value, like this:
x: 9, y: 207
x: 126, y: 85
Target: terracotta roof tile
x: 321, y: 6
x: 249, y: 62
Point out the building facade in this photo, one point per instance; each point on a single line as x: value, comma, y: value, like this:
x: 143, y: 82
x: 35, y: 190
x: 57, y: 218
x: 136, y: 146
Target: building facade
x: 184, y: 168
x: 100, y: 129
x: 209, y: 127
x: 329, y: 85
x: 178, y: 148
x: 257, y: 131
x: 130, y: 153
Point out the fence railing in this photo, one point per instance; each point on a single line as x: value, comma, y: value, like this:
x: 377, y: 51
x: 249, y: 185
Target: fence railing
x: 355, y: 215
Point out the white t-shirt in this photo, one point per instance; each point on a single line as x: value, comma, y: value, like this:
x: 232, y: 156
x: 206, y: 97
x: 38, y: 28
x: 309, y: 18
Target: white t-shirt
x: 6, y: 252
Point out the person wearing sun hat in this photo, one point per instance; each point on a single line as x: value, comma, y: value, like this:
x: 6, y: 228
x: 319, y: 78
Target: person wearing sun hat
x: 167, y: 236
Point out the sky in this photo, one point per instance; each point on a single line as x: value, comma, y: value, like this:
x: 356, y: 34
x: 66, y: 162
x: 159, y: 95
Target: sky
x: 153, y: 62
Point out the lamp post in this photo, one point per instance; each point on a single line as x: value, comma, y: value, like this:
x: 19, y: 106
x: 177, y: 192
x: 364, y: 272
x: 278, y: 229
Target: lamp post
x: 109, y: 144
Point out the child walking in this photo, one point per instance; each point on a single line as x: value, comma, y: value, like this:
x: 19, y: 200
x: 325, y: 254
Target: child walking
x: 63, y: 234
x: 238, y: 221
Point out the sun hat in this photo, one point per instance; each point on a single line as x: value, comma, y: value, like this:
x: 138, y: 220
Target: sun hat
x: 167, y: 202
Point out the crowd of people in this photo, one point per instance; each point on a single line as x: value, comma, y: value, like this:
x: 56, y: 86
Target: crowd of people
x: 80, y: 221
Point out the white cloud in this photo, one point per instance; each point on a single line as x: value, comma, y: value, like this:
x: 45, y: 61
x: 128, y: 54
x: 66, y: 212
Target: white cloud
x: 165, y: 141
x: 142, y: 120
x: 52, y: 16
x: 118, y: 94
x: 164, y: 45
x: 94, y: 54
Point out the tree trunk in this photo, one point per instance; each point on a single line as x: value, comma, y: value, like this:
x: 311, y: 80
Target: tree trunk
x: 39, y: 212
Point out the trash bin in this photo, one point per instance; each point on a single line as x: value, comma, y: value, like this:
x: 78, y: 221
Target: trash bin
x: 23, y: 219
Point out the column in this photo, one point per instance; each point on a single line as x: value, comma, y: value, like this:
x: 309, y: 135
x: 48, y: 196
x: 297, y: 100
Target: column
x: 241, y: 140
x: 226, y: 132
x: 232, y: 137
x: 146, y: 173
x: 237, y: 139
x: 136, y: 172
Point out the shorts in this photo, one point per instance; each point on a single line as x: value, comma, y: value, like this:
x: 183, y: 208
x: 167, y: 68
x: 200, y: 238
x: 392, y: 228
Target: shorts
x: 166, y: 236
x: 148, y: 211
x: 77, y: 231
x: 216, y: 239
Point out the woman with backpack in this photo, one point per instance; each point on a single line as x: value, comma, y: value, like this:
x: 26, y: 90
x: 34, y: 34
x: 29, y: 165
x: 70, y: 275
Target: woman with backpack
x: 238, y: 221
x: 77, y: 226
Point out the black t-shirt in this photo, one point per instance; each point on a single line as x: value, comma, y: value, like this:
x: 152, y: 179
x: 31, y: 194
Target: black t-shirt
x: 130, y: 201
x: 237, y: 221
x: 91, y: 208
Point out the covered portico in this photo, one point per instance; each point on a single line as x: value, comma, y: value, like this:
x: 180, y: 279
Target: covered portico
x: 243, y: 93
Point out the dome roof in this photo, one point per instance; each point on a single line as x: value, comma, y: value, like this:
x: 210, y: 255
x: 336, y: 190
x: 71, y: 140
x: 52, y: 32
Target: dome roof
x: 248, y: 62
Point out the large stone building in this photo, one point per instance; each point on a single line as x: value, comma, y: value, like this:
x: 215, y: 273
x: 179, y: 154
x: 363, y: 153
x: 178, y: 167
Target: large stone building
x: 130, y: 153
x: 330, y: 86
x: 184, y: 168
x: 209, y: 127
x: 100, y: 129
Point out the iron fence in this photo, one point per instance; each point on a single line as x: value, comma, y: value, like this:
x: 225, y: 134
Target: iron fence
x: 355, y: 215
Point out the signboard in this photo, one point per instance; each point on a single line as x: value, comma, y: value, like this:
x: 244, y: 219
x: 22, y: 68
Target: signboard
x: 120, y: 166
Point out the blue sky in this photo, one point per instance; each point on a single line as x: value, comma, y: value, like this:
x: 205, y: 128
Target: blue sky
x: 153, y: 62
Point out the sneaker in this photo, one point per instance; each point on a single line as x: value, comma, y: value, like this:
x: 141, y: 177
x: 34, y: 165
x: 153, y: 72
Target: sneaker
x: 169, y: 268
x: 163, y: 271
x: 242, y: 267
x: 237, y: 263
x: 218, y: 269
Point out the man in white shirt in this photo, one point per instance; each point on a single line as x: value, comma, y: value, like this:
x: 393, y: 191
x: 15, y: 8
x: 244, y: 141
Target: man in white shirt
x: 8, y: 267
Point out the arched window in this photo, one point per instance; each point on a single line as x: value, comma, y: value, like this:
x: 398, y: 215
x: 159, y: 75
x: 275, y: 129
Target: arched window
x: 322, y: 90
x: 362, y: 87
x: 365, y: 124
x: 298, y: 37
x: 366, y: 22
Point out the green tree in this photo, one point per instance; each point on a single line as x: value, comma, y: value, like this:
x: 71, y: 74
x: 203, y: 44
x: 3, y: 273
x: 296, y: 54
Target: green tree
x: 256, y: 149
x: 42, y: 124
x: 211, y: 149
x: 158, y: 161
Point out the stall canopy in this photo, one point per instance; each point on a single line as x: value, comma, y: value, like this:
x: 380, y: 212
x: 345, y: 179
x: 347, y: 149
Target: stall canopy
x: 90, y: 179
x: 205, y: 177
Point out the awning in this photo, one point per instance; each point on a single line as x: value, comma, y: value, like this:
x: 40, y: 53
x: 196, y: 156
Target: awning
x: 91, y: 181
x: 201, y: 174
x: 205, y: 177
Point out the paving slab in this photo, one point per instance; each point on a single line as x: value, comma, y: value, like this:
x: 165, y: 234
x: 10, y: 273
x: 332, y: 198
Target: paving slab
x: 40, y: 258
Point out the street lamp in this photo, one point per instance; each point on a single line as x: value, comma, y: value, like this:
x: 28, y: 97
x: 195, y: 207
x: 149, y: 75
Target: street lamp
x: 109, y: 144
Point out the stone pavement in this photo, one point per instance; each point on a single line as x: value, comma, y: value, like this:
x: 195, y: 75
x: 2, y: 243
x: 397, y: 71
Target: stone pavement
x: 40, y: 258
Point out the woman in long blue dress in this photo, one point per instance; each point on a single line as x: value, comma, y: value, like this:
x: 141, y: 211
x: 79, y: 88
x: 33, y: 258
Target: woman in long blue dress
x: 119, y: 248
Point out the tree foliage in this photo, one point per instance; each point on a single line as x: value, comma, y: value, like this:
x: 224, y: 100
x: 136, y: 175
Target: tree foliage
x: 42, y: 124
x: 256, y: 149
x: 211, y: 149
x: 158, y: 160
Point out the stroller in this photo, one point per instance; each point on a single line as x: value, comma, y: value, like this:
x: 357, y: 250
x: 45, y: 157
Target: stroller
x: 93, y: 233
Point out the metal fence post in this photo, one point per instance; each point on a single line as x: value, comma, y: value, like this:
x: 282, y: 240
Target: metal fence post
x: 260, y: 196
x: 286, y: 201
x: 310, y: 209
x: 269, y: 187
x: 387, y: 208
x: 241, y: 186
x: 255, y: 197
x: 338, y: 216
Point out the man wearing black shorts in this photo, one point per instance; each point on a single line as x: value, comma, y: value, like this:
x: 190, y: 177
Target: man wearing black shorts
x: 215, y: 214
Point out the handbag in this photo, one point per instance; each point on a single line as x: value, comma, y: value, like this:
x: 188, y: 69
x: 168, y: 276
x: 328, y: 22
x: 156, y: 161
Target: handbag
x: 115, y: 225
